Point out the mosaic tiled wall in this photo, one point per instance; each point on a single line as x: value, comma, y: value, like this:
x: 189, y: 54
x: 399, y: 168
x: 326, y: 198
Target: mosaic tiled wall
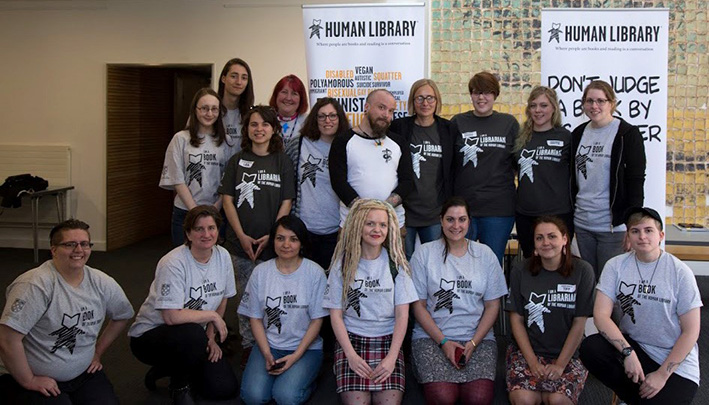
x: 503, y: 36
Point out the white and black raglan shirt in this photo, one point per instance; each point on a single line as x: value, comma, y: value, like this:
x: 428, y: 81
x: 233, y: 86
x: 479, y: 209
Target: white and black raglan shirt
x: 370, y: 168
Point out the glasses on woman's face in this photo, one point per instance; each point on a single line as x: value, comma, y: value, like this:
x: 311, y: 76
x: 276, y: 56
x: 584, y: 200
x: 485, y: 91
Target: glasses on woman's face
x: 85, y: 245
x: 205, y: 109
x: 331, y: 117
x: 428, y: 99
x: 600, y: 102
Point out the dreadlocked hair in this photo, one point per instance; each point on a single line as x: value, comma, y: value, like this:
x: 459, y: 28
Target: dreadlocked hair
x: 349, y: 244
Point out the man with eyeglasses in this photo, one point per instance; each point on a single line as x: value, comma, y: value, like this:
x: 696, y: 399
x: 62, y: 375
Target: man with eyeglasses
x: 50, y: 348
x: 371, y: 161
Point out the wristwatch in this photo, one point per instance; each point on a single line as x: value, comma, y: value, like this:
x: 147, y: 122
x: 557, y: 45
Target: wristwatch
x: 626, y: 352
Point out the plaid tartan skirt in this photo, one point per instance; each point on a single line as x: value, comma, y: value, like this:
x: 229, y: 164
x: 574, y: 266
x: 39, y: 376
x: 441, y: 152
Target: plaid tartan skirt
x: 372, y: 350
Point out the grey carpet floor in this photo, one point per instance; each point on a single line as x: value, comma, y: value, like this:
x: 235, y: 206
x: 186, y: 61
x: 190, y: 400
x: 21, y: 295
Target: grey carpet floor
x: 134, y: 266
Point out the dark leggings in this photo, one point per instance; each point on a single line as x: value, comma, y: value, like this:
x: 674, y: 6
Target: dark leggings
x: 87, y: 388
x: 524, y: 224
x: 604, y: 361
x: 477, y: 392
x: 182, y: 350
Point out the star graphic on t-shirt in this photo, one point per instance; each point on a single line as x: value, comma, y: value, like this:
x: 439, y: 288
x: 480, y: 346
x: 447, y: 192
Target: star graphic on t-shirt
x: 194, y: 169
x: 274, y: 312
x: 536, y: 310
x: 625, y: 296
x: 416, y: 159
x: 526, y: 162
x: 445, y: 296
x: 66, y: 335
x: 246, y: 189
x: 582, y: 158
x: 195, y: 302
x: 470, y: 148
x: 310, y: 169
x: 353, y: 296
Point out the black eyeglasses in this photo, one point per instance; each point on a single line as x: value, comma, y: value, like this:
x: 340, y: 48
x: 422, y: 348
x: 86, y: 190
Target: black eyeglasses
x: 72, y: 245
x: 421, y: 99
x: 331, y: 117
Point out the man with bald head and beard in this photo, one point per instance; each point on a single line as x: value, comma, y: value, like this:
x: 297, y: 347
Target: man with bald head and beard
x: 371, y: 161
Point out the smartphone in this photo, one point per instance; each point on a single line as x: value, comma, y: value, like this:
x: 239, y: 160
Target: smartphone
x: 278, y: 365
x: 460, y: 356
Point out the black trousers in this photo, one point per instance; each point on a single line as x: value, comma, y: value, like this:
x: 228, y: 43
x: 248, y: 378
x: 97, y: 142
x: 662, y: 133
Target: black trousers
x: 604, y: 361
x: 524, y: 224
x: 87, y: 388
x: 182, y: 350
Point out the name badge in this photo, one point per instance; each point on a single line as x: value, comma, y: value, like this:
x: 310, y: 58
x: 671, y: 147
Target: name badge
x: 556, y: 143
x: 566, y: 288
x: 246, y: 163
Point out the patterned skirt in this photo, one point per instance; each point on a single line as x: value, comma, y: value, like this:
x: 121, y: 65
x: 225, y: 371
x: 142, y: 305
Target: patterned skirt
x: 519, y: 377
x: 372, y: 350
x: 432, y: 365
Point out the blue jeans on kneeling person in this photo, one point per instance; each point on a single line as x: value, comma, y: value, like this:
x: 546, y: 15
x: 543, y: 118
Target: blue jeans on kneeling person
x: 294, y: 386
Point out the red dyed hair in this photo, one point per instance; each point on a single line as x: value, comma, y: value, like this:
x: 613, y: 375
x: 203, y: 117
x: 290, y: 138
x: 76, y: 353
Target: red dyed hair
x: 296, y: 85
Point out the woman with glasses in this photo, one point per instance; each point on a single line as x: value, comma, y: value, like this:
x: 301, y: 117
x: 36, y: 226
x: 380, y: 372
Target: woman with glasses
x: 195, y: 160
x: 290, y: 100
x: 484, y: 164
x: 257, y: 189
x: 609, y: 175
x: 431, y: 141
x: 180, y: 325
x: 543, y: 156
x: 316, y: 203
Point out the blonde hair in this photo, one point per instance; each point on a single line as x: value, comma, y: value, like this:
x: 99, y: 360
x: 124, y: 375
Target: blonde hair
x: 416, y: 86
x: 349, y: 244
x: 525, y: 133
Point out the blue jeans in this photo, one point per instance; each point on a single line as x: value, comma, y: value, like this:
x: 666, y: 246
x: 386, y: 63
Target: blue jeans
x: 178, y: 218
x: 598, y: 247
x: 425, y: 233
x: 294, y: 386
x: 492, y: 231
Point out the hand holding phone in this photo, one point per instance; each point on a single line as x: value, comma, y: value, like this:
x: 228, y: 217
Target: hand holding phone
x: 276, y: 366
x: 460, y: 355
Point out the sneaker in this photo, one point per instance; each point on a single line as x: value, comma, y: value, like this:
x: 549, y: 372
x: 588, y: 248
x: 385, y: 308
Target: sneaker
x: 182, y: 396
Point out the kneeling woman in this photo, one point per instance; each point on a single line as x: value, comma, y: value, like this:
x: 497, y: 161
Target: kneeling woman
x: 283, y: 300
x: 459, y: 284
x: 651, y: 356
x: 550, y: 295
x: 368, y: 293
x: 180, y: 324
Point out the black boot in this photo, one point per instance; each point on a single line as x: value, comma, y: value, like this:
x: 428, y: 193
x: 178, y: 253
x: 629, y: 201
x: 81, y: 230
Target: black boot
x: 155, y: 373
x: 182, y: 396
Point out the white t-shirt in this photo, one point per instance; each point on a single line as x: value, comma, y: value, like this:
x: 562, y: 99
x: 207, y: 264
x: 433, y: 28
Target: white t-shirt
x: 652, y: 298
x: 456, y: 291
x: 372, y: 171
x: 371, y: 301
x: 285, y: 302
x: 317, y: 204
x: 61, y: 323
x: 183, y: 282
x: 199, y: 168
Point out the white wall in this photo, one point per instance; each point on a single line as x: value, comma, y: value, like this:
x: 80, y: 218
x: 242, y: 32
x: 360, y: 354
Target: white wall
x: 54, y: 56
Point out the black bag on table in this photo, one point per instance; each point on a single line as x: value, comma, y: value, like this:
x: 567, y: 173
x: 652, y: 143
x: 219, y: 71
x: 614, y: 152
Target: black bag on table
x: 13, y: 187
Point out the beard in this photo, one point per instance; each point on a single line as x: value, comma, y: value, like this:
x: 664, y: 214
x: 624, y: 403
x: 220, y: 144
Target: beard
x: 379, y: 126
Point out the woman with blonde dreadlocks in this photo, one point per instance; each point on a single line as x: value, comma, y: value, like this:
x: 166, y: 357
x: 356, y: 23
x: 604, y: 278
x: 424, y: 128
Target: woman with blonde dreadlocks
x: 368, y: 293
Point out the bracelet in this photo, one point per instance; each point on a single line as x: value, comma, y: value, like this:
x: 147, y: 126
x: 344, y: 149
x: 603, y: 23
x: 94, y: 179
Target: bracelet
x: 474, y: 345
x: 443, y: 341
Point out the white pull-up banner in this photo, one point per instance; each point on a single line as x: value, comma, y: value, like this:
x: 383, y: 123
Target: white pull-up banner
x: 626, y: 48
x: 352, y: 49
